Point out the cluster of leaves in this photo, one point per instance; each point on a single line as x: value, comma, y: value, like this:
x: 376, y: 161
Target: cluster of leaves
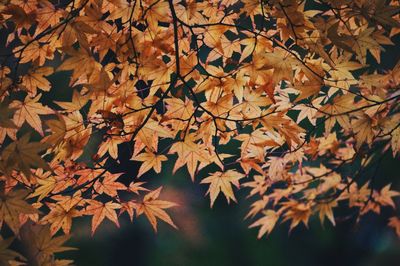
x: 284, y: 97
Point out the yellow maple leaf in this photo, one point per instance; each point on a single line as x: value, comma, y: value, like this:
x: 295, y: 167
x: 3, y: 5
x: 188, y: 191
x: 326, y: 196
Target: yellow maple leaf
x: 108, y: 185
x: 45, y: 186
x: 266, y: 223
x: 62, y: 212
x: 100, y: 211
x: 297, y: 212
x: 29, y: 111
x: 189, y: 153
x: 149, y: 161
x: 58, y: 129
x: 384, y: 197
x: 222, y: 182
x: 363, y: 127
x: 153, y: 208
x: 325, y: 210
x: 35, y: 79
x: 337, y: 111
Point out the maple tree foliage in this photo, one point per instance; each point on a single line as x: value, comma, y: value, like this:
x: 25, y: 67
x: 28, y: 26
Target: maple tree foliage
x: 285, y: 99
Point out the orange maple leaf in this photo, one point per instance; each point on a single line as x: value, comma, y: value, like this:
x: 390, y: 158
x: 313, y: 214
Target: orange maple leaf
x: 222, y: 182
x: 153, y: 208
x: 101, y: 210
x: 29, y: 111
x: 108, y: 185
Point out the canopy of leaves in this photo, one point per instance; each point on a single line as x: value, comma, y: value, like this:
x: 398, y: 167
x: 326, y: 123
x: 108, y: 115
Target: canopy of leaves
x: 285, y: 99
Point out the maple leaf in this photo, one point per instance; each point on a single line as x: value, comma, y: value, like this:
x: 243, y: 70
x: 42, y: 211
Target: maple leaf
x: 129, y: 207
x: 325, y: 210
x: 276, y: 170
x: 253, y: 101
x: 149, y: 134
x: 35, y: 79
x: 266, y: 223
x: 176, y: 108
x: 357, y: 196
x: 156, y: 70
x: 110, y: 145
x: 23, y: 155
x: 236, y: 85
x: 157, y: 13
x: 29, y: 111
x: 153, y: 208
x: 12, y: 205
x: 80, y: 62
x: 77, y: 102
x: 311, y: 82
x: 254, y: 144
x: 19, y: 16
x: 48, y: 16
x: 337, y: 112
x: 54, y: 182
x: 87, y: 175
x: 62, y: 212
x: 150, y: 161
x: 222, y: 182
x: 363, y: 42
x: 395, y: 223
x: 108, y: 185
x: 34, y: 51
x: 189, y: 153
x: 385, y: 196
x: 282, y: 63
x: 251, y: 8
x: 100, y: 211
x: 363, y: 128
x: 395, y: 141
x: 124, y: 11
x: 257, y: 207
x: 58, y: 129
x: 297, y: 212
x: 6, y: 254
x: 306, y: 112
x: 384, y: 13
x: 44, y: 245
x: 221, y: 106
x: 44, y: 188
x: 259, y: 186
x: 339, y: 40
